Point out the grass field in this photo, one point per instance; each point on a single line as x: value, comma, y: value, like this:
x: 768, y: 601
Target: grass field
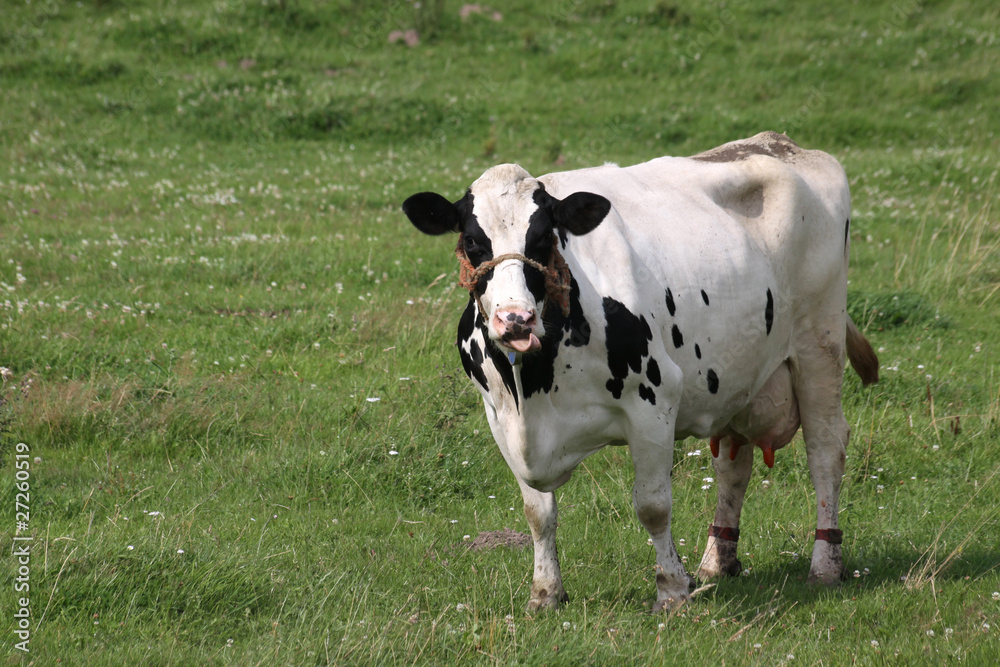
x: 229, y: 356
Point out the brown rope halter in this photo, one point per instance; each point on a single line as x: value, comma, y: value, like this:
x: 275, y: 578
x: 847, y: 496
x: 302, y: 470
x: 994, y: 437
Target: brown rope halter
x: 557, y: 275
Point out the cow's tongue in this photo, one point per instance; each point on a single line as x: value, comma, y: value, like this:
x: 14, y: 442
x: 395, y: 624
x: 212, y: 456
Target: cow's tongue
x: 529, y: 344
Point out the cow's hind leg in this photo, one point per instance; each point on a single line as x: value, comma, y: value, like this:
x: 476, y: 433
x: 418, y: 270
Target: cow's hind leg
x: 732, y: 476
x: 817, y: 375
x: 652, y: 498
x: 547, y: 590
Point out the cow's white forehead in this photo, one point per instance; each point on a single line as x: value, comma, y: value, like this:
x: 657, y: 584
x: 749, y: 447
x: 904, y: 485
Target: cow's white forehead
x: 503, y: 201
x: 504, y: 179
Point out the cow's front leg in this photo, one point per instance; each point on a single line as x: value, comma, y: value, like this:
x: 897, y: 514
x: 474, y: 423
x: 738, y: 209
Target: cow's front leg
x: 546, y: 583
x: 652, y: 498
x: 733, y: 464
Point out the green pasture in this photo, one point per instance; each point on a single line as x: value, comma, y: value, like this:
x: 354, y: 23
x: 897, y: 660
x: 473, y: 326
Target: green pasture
x: 230, y: 357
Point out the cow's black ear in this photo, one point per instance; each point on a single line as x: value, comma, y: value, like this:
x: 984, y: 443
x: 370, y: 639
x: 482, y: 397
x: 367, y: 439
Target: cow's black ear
x: 431, y: 213
x: 580, y: 213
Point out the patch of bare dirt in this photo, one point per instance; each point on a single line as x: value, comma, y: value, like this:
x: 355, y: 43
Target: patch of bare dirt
x: 492, y: 539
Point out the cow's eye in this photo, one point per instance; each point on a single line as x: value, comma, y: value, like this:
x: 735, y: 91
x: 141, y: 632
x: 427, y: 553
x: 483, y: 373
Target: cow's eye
x: 471, y: 247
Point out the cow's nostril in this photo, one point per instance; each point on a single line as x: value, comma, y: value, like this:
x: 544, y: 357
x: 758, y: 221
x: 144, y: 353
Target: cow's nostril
x: 514, y: 323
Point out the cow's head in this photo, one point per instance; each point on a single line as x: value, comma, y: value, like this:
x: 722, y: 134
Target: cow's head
x: 507, y: 212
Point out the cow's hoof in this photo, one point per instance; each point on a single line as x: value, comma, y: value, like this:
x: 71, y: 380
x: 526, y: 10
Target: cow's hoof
x: 670, y: 603
x: 732, y: 568
x: 828, y: 578
x: 544, y: 600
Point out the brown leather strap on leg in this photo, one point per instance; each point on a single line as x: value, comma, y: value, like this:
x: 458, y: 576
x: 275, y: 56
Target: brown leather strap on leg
x: 724, y: 533
x: 831, y: 535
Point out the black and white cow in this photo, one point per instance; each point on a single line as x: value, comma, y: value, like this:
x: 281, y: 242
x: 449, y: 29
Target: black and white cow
x: 705, y: 296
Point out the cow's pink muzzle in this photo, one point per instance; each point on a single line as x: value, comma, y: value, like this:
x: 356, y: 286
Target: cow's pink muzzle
x: 515, y: 329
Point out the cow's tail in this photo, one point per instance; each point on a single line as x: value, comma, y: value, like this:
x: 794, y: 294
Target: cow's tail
x: 863, y: 358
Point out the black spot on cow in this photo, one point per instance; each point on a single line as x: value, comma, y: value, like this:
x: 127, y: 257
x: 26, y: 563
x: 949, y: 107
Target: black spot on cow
x: 697, y: 351
x: 615, y: 386
x: 538, y: 369
x: 478, y: 246
x: 653, y: 372
x: 847, y: 231
x: 647, y: 394
x: 575, y: 325
x: 704, y: 297
x: 678, y: 337
x: 627, y: 339
x: 538, y: 246
x: 671, y: 308
x: 502, y: 364
x: 466, y: 325
x: 769, y: 311
x: 477, y: 364
x: 473, y: 361
x: 713, y: 381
